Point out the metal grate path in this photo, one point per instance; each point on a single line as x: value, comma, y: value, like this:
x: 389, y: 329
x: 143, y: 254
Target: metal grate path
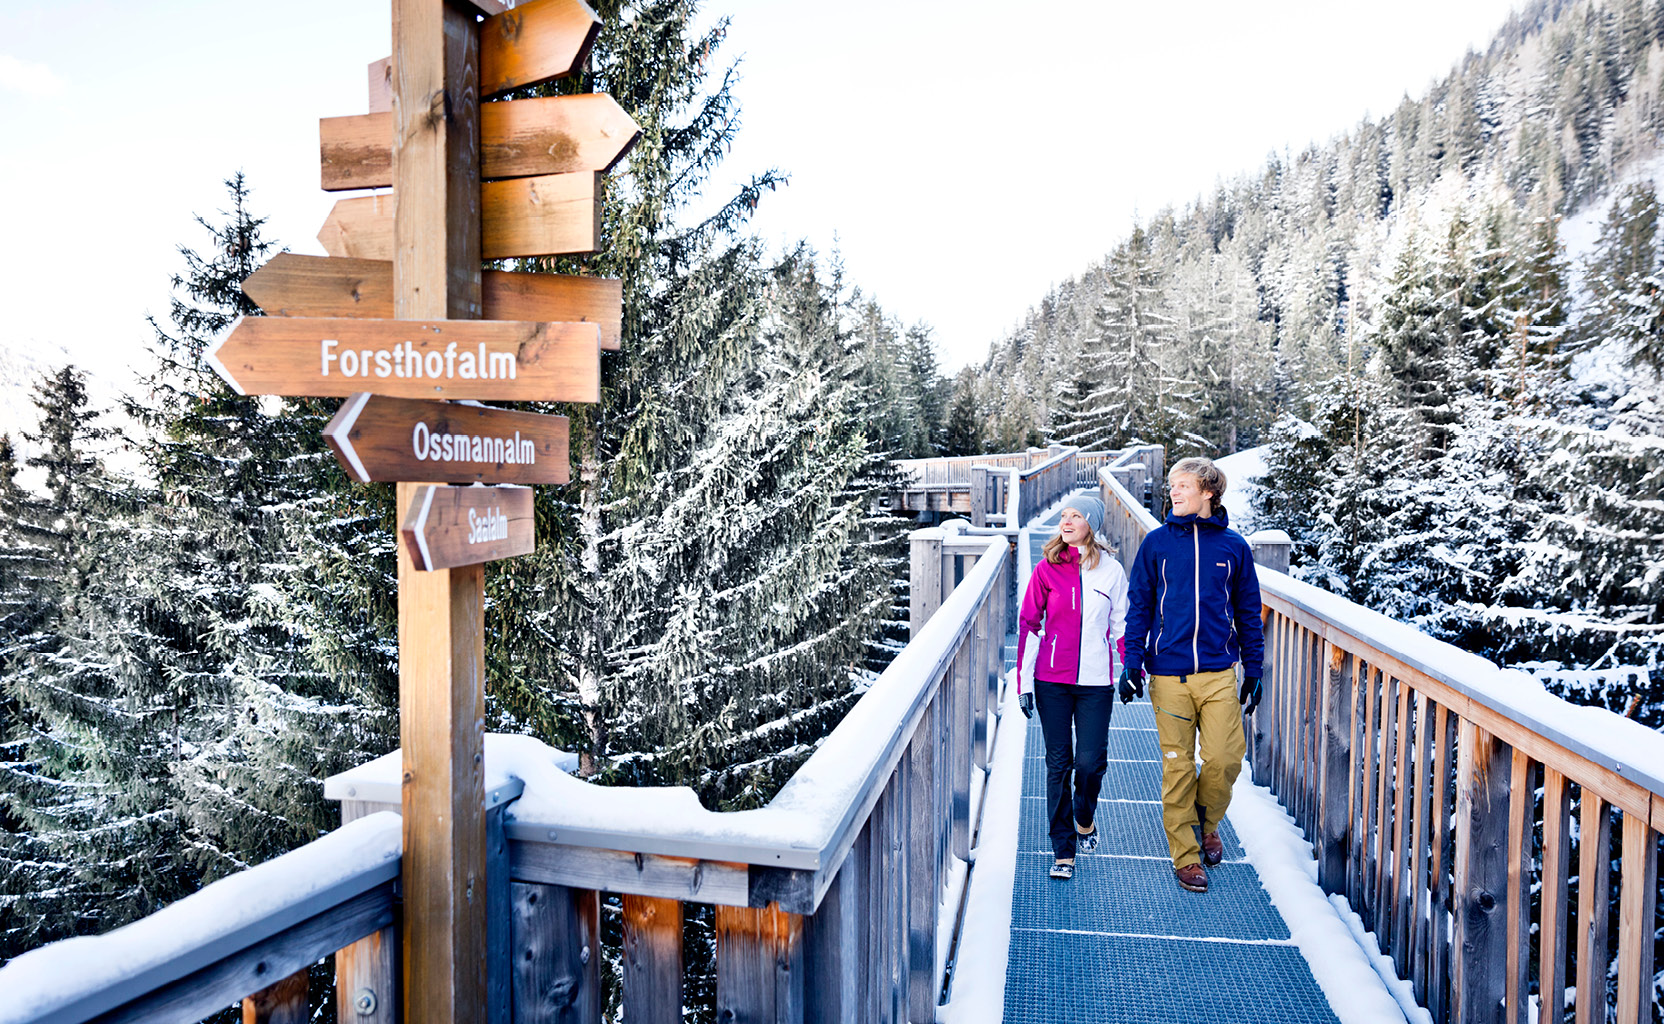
x: 1121, y: 941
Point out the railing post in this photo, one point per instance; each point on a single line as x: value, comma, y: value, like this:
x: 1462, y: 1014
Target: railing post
x: 1479, y: 973
x: 1271, y: 549
x: 1334, y: 832
x: 979, y: 496
x: 925, y: 581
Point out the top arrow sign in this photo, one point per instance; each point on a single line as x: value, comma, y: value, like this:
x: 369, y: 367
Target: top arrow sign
x: 535, y: 42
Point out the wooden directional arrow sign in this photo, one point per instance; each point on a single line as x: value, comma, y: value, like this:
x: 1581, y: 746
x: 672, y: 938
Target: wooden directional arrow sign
x: 522, y: 138
x: 535, y: 42
x: 379, y: 438
x: 549, y: 215
x: 451, y: 526
x: 487, y: 359
x: 294, y: 285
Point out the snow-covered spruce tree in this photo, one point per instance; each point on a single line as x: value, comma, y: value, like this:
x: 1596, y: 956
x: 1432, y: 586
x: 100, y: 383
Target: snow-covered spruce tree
x: 962, y: 433
x: 1626, y: 279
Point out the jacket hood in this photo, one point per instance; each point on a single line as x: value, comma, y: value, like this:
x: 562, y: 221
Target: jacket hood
x: 1218, y: 521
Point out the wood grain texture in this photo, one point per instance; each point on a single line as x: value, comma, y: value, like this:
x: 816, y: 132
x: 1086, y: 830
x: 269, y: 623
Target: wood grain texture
x: 380, y: 74
x: 556, y: 954
x: 367, y: 979
x: 482, y: 359
x: 282, y: 1003
x: 1557, y: 850
x: 679, y: 878
x: 1442, y: 853
x: 535, y: 42
x: 759, y: 965
x: 652, y: 960
x: 1593, y: 878
x: 1480, y: 965
x: 1422, y: 813
x: 292, y: 285
x: 451, y: 527
x: 1637, y: 905
x: 376, y: 438
x: 549, y: 215
x: 1520, y: 791
x: 518, y: 139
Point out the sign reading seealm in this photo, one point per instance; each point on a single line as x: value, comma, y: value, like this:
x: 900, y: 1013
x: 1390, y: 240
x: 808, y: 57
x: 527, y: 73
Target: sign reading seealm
x: 325, y: 357
x: 378, y: 438
x: 448, y: 527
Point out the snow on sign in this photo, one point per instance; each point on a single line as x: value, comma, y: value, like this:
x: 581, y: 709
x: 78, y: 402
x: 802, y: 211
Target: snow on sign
x: 448, y: 527
x: 494, y: 359
x: 390, y: 439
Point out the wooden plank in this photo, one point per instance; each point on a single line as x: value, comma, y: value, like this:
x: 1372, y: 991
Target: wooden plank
x: 1423, y: 781
x: 282, y: 1003
x: 1594, y: 869
x: 1520, y: 799
x: 1481, y: 872
x: 381, y: 88
x: 1371, y: 758
x: 291, y: 284
x: 484, y: 359
x: 376, y: 438
x: 545, y: 135
x: 1637, y: 905
x: 644, y: 874
x: 834, y: 956
x: 499, y: 919
x: 652, y: 960
x: 556, y: 941
x: 449, y: 527
x: 1400, y: 899
x: 535, y: 42
x: 1386, y: 734
x: 549, y: 215
x: 1551, y: 932
x: 218, y: 985
x: 1334, y: 833
x: 925, y: 579
x: 366, y: 979
x: 1357, y: 784
x: 923, y: 881
x: 1442, y: 853
x: 958, y: 682
x: 759, y: 965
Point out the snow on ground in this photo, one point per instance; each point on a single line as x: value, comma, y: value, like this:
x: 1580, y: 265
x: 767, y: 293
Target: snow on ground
x: 1359, y: 983
x: 1243, y: 471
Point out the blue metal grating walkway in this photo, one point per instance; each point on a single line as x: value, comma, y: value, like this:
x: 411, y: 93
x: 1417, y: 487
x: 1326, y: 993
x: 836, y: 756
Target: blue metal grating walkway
x: 1121, y: 941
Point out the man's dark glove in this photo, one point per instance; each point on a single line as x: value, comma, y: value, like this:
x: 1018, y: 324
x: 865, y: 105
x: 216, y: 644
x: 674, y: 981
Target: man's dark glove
x: 1025, y: 704
x: 1249, y: 697
x: 1131, y: 685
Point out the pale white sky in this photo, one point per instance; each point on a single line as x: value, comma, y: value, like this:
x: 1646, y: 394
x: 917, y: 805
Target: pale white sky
x: 965, y: 155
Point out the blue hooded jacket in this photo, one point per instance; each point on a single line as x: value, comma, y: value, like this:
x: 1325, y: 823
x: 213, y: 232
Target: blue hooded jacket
x: 1192, y: 582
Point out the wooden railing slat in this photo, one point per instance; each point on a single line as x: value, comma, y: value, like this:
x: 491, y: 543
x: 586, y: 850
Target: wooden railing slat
x: 1387, y: 735
x: 759, y: 965
x: 1400, y: 836
x: 1520, y: 792
x: 1593, y: 875
x: 834, y: 951
x: 1637, y: 904
x: 1335, y: 830
x: 367, y: 979
x: 1370, y: 749
x: 1441, y: 897
x: 652, y: 960
x: 282, y: 1003
x: 1481, y: 870
x: 1551, y: 942
x: 556, y: 954
x: 1422, y: 783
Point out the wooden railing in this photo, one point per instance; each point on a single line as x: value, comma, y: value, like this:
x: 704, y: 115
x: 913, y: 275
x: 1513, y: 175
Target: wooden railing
x: 1415, y: 768
x: 956, y: 469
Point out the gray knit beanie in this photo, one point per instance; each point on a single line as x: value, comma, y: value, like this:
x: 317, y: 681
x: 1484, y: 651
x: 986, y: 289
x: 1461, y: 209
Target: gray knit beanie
x: 1091, y: 508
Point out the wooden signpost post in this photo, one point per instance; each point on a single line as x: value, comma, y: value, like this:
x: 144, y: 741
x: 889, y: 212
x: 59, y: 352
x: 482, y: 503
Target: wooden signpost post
x: 400, y: 314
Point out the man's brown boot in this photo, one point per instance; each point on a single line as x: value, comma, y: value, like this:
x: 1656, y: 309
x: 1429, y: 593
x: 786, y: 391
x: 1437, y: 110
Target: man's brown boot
x: 1213, y: 849
x: 1193, y: 877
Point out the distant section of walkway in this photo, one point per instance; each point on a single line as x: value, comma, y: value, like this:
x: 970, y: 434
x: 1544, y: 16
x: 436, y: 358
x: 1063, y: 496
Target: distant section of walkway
x: 1121, y: 941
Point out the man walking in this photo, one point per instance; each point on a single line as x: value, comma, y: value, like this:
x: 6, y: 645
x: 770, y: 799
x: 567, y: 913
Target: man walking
x: 1193, y: 613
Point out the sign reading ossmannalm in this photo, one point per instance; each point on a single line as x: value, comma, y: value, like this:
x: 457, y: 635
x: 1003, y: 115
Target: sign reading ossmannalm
x: 451, y: 526
x: 504, y: 360
x: 378, y: 438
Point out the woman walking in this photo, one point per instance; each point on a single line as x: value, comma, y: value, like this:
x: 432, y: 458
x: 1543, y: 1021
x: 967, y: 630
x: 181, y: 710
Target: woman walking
x: 1068, y: 649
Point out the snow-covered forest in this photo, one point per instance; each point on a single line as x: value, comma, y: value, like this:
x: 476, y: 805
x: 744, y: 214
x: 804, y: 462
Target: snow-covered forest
x: 189, y: 649
x: 1448, y: 325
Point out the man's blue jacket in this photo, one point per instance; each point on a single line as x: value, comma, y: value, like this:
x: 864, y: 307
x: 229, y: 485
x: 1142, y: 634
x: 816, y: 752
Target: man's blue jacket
x: 1194, y: 600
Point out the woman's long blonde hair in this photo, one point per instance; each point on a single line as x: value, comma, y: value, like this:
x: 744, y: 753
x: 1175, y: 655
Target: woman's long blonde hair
x: 1053, y: 551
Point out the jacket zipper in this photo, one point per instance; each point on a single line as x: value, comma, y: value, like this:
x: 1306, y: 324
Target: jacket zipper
x: 1161, y: 607
x: 1196, y: 631
x: 1051, y: 659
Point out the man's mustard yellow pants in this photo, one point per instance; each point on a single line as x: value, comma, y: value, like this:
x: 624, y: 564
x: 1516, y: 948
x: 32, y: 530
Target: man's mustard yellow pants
x: 1202, y: 705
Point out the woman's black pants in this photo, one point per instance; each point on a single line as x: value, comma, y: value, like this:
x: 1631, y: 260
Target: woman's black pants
x: 1075, y: 721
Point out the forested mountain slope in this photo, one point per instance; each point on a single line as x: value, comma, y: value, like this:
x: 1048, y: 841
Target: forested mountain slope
x: 1464, y: 298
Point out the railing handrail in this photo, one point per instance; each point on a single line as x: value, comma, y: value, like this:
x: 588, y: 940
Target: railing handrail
x: 81, y: 978
x: 1060, y: 457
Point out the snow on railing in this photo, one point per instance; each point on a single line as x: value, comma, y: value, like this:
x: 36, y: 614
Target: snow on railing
x: 240, y: 935
x: 1415, y: 767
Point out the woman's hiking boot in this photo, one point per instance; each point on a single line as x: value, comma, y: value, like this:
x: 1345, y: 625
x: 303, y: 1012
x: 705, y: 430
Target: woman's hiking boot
x: 1063, y: 869
x: 1213, y: 848
x: 1192, y: 877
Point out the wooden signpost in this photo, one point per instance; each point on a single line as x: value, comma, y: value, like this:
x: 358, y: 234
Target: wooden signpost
x: 378, y: 439
x: 400, y: 314
x: 447, y: 527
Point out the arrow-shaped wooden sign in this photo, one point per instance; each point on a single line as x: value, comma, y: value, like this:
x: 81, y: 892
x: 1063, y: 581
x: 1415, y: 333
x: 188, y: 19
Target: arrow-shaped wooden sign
x: 379, y: 438
x: 518, y: 139
x: 291, y: 284
x: 451, y: 526
x: 535, y: 42
x: 549, y: 215
x: 486, y: 359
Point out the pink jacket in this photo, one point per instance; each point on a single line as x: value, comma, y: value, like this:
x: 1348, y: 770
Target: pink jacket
x: 1055, y: 597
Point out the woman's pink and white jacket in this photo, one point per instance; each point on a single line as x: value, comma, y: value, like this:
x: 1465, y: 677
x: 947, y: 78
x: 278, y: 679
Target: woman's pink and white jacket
x: 1071, y: 626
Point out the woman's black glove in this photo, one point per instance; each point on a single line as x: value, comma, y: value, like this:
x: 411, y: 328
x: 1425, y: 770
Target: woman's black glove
x: 1025, y: 703
x: 1131, y: 686
x: 1249, y: 696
